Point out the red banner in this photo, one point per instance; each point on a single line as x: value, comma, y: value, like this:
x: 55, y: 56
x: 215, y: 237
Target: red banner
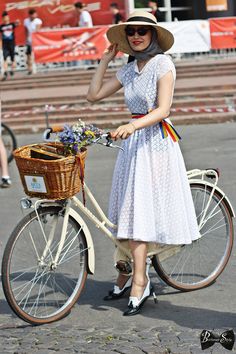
x: 223, y: 32
x: 70, y: 44
x: 57, y: 13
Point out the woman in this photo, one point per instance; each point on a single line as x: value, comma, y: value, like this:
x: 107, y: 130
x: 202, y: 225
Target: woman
x: 150, y: 198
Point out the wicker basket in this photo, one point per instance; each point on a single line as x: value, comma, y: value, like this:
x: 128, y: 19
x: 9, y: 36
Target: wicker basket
x: 50, y: 179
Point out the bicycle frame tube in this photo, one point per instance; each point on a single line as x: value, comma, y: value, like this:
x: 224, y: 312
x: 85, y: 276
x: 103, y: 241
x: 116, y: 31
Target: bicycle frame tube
x: 99, y: 224
x: 104, y: 224
x: 152, y: 248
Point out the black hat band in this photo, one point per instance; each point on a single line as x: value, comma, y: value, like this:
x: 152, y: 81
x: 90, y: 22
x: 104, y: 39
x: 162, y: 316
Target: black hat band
x: 141, y: 18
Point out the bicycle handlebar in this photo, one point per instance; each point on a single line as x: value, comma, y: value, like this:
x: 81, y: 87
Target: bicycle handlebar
x: 50, y: 130
x: 58, y: 129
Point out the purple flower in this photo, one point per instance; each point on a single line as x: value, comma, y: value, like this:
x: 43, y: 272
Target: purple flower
x: 78, y: 135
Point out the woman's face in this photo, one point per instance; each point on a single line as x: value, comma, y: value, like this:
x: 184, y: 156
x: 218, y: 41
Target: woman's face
x: 139, y: 37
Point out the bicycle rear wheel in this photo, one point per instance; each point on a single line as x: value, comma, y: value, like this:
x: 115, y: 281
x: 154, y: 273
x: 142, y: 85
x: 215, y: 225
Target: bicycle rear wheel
x: 195, y: 266
x: 9, y: 141
x: 38, y: 291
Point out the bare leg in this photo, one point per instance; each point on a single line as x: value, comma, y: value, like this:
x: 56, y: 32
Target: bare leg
x: 3, y: 159
x: 5, y: 70
x: 120, y: 256
x: 29, y: 62
x: 124, y: 279
x: 139, y: 253
x: 121, y: 280
x: 5, y: 66
x: 13, y: 66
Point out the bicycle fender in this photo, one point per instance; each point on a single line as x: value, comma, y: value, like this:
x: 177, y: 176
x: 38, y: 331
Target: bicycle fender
x: 89, y: 240
x: 223, y: 195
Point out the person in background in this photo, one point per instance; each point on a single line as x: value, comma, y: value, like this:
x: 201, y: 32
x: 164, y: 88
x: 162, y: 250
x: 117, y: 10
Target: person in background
x: 156, y: 12
x: 85, y: 19
x: 5, y: 180
x: 31, y: 24
x: 7, y: 31
x: 117, y: 17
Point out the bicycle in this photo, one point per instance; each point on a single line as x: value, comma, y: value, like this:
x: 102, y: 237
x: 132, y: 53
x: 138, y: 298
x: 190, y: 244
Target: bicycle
x: 9, y: 141
x: 50, y: 252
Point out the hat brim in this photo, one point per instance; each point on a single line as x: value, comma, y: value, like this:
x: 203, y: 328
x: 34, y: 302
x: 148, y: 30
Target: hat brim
x: 116, y: 35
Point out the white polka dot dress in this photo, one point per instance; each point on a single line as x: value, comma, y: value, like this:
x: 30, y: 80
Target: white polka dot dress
x: 150, y: 196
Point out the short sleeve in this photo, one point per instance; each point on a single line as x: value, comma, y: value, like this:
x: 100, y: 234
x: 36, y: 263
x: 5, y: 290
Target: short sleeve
x: 121, y: 74
x: 39, y: 21
x: 85, y: 16
x: 164, y: 65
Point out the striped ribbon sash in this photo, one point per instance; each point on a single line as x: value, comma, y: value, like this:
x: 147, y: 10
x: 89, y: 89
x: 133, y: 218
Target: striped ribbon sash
x: 165, y: 127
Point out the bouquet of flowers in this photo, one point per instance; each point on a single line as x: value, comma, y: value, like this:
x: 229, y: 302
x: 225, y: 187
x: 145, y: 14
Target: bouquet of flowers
x: 77, y: 136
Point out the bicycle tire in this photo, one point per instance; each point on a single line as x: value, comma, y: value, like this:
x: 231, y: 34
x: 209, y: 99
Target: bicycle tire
x: 9, y: 141
x: 48, y: 305
x: 168, y: 269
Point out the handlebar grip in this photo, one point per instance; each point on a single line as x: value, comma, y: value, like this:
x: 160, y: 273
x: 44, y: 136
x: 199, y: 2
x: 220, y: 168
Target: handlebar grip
x: 49, y: 131
x: 57, y: 128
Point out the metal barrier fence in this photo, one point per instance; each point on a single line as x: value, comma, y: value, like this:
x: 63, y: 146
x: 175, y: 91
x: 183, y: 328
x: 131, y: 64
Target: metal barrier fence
x: 22, y: 66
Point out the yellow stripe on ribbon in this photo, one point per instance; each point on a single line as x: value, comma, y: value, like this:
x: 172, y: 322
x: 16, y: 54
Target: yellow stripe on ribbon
x: 165, y: 127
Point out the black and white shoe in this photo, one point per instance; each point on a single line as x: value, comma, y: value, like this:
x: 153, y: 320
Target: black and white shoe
x: 135, y: 303
x: 6, y: 183
x: 116, y: 293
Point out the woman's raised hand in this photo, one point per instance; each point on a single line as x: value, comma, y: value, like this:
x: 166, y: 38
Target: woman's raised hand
x: 109, y: 53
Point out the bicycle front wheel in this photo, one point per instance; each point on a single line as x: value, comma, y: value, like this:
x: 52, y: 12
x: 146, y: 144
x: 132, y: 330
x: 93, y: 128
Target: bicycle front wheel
x: 195, y: 266
x: 38, y: 290
x: 9, y: 141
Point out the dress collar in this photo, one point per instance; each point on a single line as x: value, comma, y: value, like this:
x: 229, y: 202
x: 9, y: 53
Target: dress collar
x: 136, y: 69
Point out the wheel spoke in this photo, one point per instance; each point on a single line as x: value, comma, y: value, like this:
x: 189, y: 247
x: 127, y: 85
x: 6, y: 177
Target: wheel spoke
x: 193, y: 266
x: 44, y: 291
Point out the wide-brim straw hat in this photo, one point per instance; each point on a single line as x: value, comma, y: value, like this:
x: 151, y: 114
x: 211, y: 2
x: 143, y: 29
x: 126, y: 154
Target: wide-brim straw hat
x: 116, y: 34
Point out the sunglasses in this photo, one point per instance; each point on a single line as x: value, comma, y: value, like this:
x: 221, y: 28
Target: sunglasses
x: 142, y: 31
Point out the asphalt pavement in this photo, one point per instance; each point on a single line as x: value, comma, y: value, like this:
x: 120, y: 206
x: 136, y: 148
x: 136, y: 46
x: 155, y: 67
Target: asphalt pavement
x: 174, y: 324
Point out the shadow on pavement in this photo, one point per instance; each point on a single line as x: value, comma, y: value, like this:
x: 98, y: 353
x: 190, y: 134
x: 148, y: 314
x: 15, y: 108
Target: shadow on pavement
x: 183, y: 316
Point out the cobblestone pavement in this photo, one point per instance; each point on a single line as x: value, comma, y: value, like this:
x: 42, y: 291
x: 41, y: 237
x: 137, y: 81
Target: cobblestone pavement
x: 174, y: 324
x: 62, y: 338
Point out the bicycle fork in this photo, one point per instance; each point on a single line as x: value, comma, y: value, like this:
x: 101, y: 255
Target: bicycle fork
x: 51, y: 237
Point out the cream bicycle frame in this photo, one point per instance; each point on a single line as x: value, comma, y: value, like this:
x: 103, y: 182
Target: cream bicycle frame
x: 104, y: 224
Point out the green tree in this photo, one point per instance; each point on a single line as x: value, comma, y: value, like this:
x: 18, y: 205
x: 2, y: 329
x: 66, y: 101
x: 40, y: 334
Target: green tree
x: 140, y: 3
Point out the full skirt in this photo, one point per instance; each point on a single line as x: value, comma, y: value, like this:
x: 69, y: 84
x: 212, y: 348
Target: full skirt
x: 150, y: 197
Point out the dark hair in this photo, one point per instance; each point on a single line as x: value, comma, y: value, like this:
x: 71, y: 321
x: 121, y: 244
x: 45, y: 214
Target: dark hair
x: 79, y: 5
x: 114, y: 5
x: 5, y: 13
x: 31, y: 11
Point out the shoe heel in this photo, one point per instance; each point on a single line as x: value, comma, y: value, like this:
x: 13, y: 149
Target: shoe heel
x: 154, y: 297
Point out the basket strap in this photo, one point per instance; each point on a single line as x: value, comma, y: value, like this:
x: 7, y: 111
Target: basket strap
x: 81, y: 166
